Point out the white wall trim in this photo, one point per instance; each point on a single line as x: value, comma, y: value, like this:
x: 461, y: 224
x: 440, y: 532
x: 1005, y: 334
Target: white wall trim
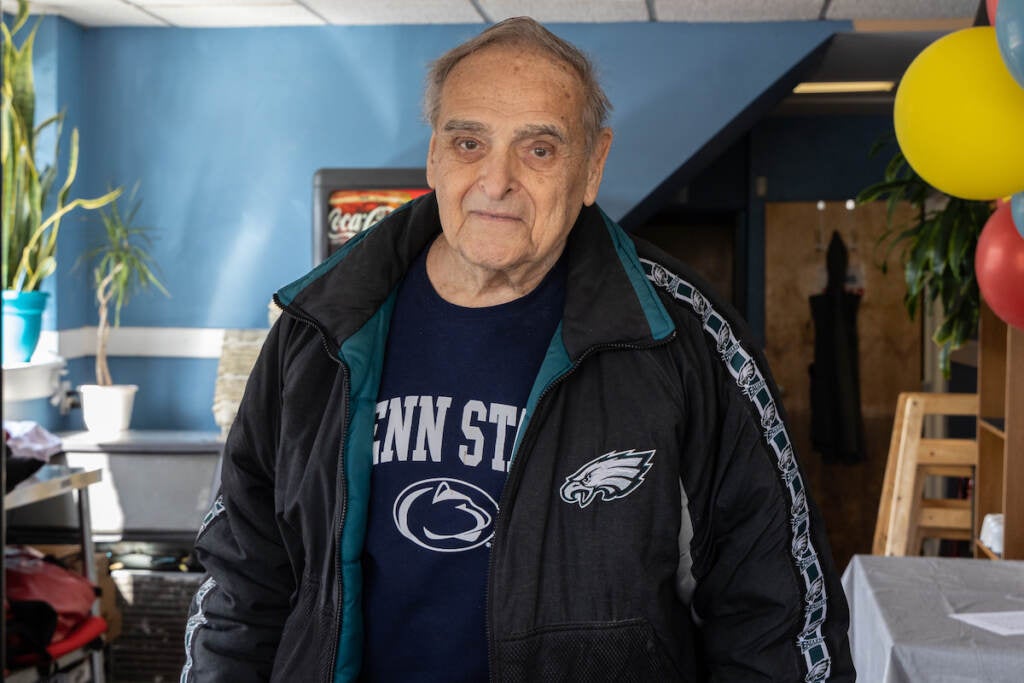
x: 155, y: 342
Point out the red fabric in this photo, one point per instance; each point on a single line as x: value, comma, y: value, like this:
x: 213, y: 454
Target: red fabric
x: 87, y: 631
x: 30, y: 577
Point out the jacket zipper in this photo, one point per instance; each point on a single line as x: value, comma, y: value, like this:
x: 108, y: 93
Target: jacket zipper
x: 339, y: 524
x: 340, y: 513
x: 514, y: 476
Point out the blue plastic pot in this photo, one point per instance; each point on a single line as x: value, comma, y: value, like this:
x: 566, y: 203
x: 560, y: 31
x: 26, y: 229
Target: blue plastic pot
x: 23, y: 317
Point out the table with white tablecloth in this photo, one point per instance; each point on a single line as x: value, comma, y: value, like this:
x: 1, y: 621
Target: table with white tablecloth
x: 900, y: 624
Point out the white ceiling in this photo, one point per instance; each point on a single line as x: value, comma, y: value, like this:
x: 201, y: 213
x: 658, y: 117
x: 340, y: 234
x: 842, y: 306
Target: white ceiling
x: 900, y: 14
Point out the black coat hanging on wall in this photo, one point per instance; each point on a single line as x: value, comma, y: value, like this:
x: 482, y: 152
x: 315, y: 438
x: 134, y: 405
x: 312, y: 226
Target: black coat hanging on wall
x: 837, y: 428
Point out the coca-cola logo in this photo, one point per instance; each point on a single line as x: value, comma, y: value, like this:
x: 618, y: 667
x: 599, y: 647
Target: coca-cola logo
x: 352, y: 211
x: 345, y: 225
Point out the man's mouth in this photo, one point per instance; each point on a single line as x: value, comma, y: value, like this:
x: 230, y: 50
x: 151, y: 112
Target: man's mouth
x: 495, y: 215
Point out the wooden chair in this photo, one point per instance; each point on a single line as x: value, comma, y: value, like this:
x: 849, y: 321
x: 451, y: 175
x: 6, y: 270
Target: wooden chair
x: 905, y: 517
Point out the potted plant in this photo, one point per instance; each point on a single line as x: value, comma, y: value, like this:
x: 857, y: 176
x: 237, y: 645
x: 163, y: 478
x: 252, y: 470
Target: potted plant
x: 29, y: 234
x: 122, y: 266
x: 937, y: 250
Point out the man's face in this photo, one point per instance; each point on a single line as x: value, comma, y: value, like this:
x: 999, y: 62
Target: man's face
x: 508, y: 160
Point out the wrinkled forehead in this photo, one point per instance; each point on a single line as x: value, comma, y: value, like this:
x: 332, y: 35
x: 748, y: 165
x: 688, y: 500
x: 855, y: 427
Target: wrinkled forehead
x: 506, y: 51
x: 514, y: 77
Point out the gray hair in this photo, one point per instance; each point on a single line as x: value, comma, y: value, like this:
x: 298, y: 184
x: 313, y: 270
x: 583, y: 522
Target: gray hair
x: 526, y: 33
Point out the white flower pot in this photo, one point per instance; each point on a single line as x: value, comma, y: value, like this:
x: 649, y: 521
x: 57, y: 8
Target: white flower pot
x: 107, y: 410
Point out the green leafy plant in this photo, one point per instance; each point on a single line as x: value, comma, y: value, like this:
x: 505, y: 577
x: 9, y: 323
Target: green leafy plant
x: 29, y: 235
x: 936, y: 249
x: 122, y: 267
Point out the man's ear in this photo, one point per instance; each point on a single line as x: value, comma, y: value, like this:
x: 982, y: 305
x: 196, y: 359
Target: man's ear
x: 595, y: 163
x: 430, y: 162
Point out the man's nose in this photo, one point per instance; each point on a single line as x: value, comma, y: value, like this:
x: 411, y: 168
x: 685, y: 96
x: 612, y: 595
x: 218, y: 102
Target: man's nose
x: 498, y: 174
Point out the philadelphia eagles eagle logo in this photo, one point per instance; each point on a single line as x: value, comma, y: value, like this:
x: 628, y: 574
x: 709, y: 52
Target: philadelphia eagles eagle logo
x: 609, y: 476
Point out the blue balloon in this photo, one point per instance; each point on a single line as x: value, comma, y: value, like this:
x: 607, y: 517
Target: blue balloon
x: 1010, y: 35
x: 1017, y: 209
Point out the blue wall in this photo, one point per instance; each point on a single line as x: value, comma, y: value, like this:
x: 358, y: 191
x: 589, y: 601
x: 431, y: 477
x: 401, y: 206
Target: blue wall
x: 827, y: 157
x: 174, y: 393
x: 225, y: 128
x: 75, y: 229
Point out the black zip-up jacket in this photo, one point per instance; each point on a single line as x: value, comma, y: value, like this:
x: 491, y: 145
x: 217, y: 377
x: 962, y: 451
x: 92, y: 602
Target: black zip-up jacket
x: 654, y: 525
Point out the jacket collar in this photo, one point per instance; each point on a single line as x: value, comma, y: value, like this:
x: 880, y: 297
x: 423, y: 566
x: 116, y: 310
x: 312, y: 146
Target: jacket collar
x: 608, y: 298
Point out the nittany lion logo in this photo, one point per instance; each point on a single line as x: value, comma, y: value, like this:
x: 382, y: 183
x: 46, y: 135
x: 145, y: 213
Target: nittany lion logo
x: 445, y: 515
x: 610, y: 476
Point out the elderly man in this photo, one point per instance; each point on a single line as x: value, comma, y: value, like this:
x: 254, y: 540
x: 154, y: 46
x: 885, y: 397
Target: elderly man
x: 495, y: 437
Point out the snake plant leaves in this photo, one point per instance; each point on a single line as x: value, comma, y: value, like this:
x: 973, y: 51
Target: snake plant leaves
x: 29, y: 238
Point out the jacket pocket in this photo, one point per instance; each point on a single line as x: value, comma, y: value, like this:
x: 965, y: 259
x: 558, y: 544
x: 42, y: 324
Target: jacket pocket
x: 301, y: 636
x: 604, y: 651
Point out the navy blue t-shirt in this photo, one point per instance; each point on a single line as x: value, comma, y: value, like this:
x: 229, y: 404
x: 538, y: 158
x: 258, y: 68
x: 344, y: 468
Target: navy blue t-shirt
x: 454, y: 387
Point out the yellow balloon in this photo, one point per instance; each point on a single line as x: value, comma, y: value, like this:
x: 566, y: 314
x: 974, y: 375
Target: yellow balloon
x: 959, y: 117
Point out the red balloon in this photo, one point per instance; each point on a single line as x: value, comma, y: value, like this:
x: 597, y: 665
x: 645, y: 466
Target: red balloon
x: 991, y: 6
x: 999, y: 266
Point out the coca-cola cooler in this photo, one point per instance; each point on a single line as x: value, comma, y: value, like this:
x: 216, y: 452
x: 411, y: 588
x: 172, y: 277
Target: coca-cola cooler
x: 347, y: 201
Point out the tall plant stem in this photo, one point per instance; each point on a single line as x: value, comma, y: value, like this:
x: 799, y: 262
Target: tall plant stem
x: 103, y: 296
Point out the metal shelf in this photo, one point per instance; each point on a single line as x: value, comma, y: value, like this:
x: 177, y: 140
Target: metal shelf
x: 43, y: 487
x: 49, y: 482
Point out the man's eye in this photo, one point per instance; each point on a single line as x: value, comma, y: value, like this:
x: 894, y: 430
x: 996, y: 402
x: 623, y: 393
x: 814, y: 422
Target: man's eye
x: 468, y: 145
x: 541, y: 152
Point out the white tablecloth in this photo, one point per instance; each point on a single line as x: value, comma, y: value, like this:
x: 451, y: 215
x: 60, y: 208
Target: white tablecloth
x: 901, y: 631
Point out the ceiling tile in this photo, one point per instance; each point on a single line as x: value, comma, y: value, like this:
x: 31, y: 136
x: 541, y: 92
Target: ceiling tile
x: 38, y: 7
x: 360, y: 12
x: 901, y: 9
x: 208, y: 3
x: 567, y: 10
x: 355, y: 12
x: 737, y: 10
x: 236, y: 15
x: 52, y: 6
x: 97, y: 12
